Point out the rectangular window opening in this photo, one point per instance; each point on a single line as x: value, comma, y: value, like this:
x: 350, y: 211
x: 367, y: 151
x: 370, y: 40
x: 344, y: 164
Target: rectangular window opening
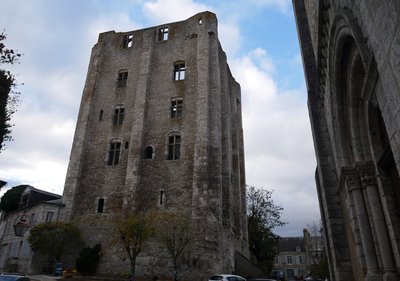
x: 113, y: 154
x: 162, y: 34
x: 176, y: 108
x: 127, y: 41
x: 49, y: 216
x: 179, y: 71
x: 122, y: 79
x: 100, y: 205
x: 174, y: 147
x: 118, y: 116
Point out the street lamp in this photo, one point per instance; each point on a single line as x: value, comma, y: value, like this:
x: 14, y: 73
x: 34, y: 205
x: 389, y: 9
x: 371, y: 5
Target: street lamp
x: 21, y: 225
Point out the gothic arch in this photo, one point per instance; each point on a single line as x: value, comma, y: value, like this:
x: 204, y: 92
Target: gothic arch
x: 355, y: 121
x: 349, y: 62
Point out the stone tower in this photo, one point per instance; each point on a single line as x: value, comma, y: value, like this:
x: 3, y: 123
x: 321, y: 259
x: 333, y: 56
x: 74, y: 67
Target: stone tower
x: 160, y: 119
x: 351, y: 56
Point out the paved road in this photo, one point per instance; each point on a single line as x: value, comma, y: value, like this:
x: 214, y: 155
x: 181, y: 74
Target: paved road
x: 44, y: 277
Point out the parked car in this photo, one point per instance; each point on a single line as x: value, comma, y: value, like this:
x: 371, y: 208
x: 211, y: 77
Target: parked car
x: 13, y: 277
x: 261, y: 279
x: 225, y: 277
x: 314, y: 279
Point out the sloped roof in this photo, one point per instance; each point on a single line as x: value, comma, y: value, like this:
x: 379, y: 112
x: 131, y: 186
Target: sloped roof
x: 55, y: 202
x: 33, y: 196
x: 289, y: 244
x: 30, y: 188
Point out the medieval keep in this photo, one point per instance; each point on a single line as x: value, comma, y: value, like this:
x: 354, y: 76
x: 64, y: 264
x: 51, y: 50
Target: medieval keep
x: 351, y: 56
x: 160, y: 127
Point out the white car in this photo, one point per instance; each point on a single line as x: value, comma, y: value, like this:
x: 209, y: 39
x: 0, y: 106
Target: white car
x: 226, y: 277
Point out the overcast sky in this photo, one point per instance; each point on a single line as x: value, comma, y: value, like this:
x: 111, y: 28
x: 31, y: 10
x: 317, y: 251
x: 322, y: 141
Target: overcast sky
x: 259, y: 37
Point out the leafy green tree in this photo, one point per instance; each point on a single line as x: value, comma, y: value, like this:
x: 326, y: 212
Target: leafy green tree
x: 10, y: 200
x: 174, y: 232
x: 262, y: 217
x: 132, y: 232
x: 8, y: 97
x: 55, y: 239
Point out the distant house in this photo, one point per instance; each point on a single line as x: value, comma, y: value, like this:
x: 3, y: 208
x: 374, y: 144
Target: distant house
x: 298, y: 256
x: 290, y: 264
x: 36, y: 206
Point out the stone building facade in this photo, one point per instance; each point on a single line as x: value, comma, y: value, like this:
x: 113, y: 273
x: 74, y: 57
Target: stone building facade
x: 160, y: 127
x: 351, y: 57
x: 37, y: 206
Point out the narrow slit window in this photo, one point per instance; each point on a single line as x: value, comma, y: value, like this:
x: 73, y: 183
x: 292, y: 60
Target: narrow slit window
x: 101, y: 115
x: 161, y: 202
x: 100, y: 205
x: 179, y: 71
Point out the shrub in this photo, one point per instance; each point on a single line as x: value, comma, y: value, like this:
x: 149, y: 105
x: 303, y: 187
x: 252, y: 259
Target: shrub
x: 89, y: 257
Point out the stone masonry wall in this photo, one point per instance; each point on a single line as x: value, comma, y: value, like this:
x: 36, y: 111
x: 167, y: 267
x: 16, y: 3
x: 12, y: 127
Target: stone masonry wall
x: 207, y: 181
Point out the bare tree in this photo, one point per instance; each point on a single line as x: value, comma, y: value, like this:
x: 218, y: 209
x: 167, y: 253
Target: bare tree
x: 174, y: 234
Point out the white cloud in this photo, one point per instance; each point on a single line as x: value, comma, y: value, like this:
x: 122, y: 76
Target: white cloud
x: 56, y: 38
x: 278, y: 144
x: 164, y: 11
x: 53, y: 69
x: 230, y: 38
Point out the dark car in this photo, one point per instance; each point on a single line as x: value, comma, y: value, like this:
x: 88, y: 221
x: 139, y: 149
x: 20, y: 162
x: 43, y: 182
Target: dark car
x: 13, y: 277
x: 226, y: 277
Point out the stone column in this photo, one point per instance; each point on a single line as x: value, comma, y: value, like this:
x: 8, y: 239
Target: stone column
x: 355, y: 191
x: 368, y: 181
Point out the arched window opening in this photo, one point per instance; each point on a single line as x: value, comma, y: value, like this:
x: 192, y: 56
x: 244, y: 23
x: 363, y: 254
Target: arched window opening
x: 148, y: 152
x: 174, y: 146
